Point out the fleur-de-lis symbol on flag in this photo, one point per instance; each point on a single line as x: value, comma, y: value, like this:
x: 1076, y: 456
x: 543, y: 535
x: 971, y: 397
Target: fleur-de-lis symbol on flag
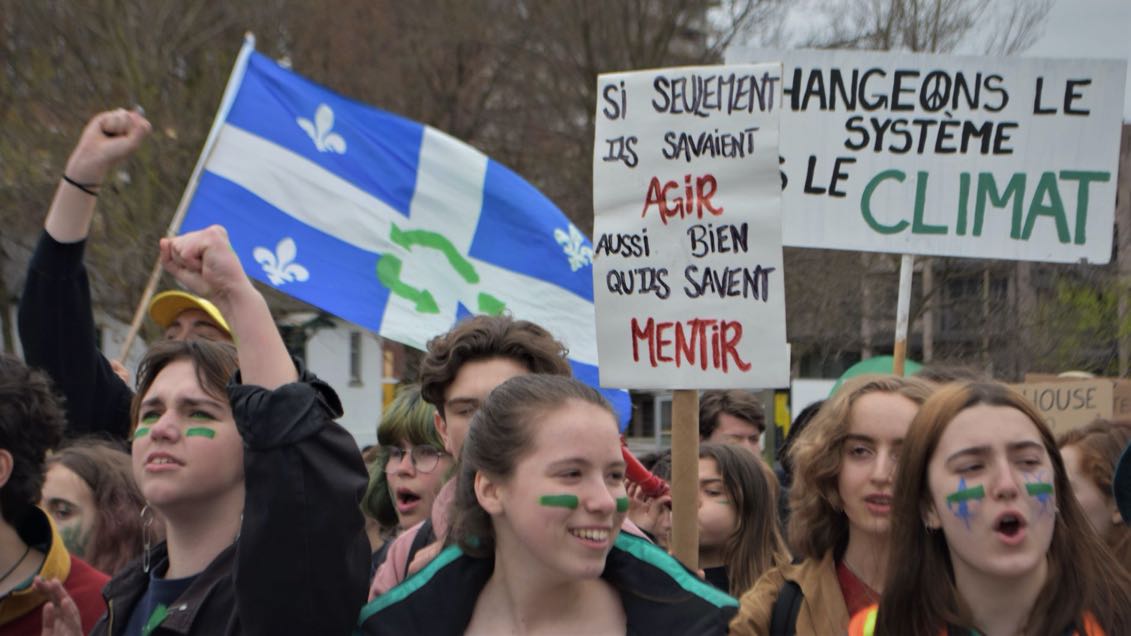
x: 574, y: 247
x: 279, y: 265
x: 319, y: 130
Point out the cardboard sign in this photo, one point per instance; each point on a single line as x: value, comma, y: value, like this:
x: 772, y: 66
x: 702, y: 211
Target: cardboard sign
x: 687, y: 261
x: 1012, y: 158
x: 1121, y: 391
x: 1070, y: 404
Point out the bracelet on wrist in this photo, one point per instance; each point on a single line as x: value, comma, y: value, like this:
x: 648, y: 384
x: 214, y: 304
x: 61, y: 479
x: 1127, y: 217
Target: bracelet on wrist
x: 89, y: 188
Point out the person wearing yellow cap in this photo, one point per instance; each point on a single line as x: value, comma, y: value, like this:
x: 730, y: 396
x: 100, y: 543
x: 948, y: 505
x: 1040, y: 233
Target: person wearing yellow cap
x: 56, y: 322
x: 181, y: 315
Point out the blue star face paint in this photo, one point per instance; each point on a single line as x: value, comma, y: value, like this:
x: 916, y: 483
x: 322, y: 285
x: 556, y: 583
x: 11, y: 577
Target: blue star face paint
x: 958, y: 501
x: 1039, y: 489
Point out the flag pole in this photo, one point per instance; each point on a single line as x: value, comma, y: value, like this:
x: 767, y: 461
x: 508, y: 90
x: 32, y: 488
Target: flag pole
x: 903, y: 308
x: 234, y: 82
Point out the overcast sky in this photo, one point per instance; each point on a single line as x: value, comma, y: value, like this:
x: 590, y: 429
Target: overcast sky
x: 1073, y: 29
x: 1089, y: 28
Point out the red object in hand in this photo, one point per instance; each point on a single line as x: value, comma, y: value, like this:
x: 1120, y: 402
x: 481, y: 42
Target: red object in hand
x: 650, y: 485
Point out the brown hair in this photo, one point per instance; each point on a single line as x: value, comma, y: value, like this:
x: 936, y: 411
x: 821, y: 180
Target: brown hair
x: 214, y: 362
x: 920, y: 596
x: 31, y: 422
x: 116, y: 533
x: 482, y: 338
x: 741, y: 404
x: 1100, y: 444
x: 500, y: 434
x: 756, y: 544
x: 817, y: 522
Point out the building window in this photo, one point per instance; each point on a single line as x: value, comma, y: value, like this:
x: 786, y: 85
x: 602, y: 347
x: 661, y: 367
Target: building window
x: 355, y: 358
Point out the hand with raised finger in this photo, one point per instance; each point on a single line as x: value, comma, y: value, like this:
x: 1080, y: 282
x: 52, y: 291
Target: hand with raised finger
x: 636, y: 493
x: 60, y: 614
x: 107, y: 139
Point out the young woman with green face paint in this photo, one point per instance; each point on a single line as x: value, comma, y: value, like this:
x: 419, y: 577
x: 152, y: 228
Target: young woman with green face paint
x: 257, y: 485
x: 536, y: 544
x: 91, y: 493
x: 987, y: 537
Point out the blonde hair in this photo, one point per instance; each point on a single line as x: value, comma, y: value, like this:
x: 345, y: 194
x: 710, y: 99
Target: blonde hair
x: 817, y: 522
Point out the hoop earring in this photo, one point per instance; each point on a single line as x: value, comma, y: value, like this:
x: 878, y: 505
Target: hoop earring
x: 146, y: 536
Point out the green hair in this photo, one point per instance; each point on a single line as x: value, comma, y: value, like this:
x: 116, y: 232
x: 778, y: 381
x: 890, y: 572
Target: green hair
x: 408, y: 418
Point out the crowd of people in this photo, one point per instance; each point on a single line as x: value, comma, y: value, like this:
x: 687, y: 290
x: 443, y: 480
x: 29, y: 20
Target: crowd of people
x: 221, y: 497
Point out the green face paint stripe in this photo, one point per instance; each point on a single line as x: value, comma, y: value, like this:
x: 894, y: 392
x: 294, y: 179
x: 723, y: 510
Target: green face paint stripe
x: 559, y: 501
x: 966, y: 494
x: 200, y: 431
x: 622, y: 504
x: 74, y: 539
x: 1039, y: 488
x: 141, y: 431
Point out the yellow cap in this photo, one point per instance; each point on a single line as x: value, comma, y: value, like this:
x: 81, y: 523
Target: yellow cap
x: 166, y: 306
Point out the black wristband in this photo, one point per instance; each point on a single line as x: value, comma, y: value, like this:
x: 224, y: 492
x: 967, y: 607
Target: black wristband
x: 85, y: 187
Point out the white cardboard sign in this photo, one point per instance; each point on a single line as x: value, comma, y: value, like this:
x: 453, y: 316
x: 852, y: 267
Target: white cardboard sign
x: 1013, y: 158
x: 687, y: 269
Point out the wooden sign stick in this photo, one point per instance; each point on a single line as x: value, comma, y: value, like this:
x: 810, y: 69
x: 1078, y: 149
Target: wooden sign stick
x: 685, y: 477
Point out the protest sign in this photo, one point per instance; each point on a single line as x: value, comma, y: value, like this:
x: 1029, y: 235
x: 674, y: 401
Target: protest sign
x: 1011, y: 158
x: 1121, y: 390
x: 687, y: 261
x: 1070, y: 404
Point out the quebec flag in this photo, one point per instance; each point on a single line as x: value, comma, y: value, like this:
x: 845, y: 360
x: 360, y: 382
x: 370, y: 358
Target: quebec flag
x: 385, y: 222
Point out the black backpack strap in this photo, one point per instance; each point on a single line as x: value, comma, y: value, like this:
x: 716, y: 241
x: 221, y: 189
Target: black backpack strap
x: 378, y: 558
x: 783, y: 618
x: 424, y: 538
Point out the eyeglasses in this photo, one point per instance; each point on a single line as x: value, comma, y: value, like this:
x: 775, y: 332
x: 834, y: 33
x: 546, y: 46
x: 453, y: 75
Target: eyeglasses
x: 424, y: 457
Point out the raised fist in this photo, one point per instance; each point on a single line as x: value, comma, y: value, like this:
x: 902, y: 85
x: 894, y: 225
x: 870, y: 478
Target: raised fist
x: 107, y: 139
x: 203, y: 261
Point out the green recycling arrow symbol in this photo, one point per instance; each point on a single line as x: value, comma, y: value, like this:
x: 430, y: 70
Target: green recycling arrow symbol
x: 389, y: 271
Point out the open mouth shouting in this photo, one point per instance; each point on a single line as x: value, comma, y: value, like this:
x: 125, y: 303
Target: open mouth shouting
x: 1009, y: 528
x: 407, y: 500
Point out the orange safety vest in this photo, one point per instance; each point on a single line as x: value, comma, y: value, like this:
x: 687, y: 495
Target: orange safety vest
x: 864, y: 624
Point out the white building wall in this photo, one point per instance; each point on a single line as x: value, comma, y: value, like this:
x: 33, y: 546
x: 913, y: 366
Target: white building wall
x: 113, y: 336
x: 328, y: 356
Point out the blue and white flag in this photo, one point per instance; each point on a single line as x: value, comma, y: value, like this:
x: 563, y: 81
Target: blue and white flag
x: 385, y: 222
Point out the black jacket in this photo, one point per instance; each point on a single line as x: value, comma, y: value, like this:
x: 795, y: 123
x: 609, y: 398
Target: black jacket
x: 56, y: 326
x: 301, y: 563
x: 660, y: 596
